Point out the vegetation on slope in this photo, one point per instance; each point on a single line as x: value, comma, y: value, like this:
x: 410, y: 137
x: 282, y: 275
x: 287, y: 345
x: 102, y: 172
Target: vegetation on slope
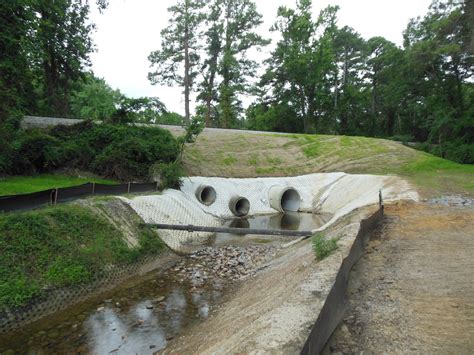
x: 295, y: 154
x: 61, y: 246
x: 113, y: 151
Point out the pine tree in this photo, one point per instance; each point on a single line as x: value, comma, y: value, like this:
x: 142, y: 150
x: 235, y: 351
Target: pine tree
x: 179, y: 49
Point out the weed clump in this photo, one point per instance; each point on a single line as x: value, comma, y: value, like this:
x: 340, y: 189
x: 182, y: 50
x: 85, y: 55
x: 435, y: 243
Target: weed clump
x: 323, y: 247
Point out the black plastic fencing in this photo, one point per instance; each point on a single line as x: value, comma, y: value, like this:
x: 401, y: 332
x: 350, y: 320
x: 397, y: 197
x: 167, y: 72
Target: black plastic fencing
x: 336, y: 303
x: 53, y: 196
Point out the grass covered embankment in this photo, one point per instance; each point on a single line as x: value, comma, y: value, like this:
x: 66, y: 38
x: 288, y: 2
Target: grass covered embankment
x: 61, y: 246
x: 13, y: 185
x: 247, y: 154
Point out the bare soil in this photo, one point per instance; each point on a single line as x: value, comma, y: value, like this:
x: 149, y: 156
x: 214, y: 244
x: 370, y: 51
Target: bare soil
x: 414, y: 290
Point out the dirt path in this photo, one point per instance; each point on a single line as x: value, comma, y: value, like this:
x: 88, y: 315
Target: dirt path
x: 414, y: 290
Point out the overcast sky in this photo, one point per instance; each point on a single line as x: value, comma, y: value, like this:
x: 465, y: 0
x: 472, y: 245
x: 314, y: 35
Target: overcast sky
x: 130, y: 29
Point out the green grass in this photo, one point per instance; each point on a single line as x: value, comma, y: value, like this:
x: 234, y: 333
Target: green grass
x: 429, y: 171
x: 323, y: 247
x: 253, y: 160
x: 60, y: 246
x: 26, y: 184
x: 229, y: 160
x: 297, y: 154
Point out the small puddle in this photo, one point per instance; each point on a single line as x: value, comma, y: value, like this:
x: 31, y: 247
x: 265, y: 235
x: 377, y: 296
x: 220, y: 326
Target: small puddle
x: 142, y: 316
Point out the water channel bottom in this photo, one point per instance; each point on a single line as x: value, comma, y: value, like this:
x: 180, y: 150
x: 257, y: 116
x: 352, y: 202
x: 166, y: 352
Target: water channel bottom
x: 142, y: 318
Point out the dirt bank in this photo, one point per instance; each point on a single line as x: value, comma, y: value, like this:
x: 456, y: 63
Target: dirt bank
x: 414, y: 290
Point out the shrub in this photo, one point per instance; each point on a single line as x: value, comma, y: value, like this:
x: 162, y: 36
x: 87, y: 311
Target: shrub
x: 323, y: 247
x: 169, y: 175
x: 37, y: 151
x: 120, y: 152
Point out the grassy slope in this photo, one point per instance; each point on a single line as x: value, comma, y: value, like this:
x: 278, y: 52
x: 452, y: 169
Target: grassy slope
x: 26, y: 184
x: 242, y: 154
x: 59, y: 246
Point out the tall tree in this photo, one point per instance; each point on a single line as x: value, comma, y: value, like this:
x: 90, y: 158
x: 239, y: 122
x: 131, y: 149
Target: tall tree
x: 439, y: 64
x: 179, y: 49
x: 16, y: 25
x: 385, y: 67
x: 93, y: 99
x: 300, y: 66
x: 349, y: 93
x: 240, y: 20
x: 213, y: 48
x: 60, y: 50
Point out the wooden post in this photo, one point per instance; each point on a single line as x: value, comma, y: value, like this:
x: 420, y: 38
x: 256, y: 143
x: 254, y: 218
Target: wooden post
x: 56, y: 197
x: 128, y: 188
x: 93, y: 188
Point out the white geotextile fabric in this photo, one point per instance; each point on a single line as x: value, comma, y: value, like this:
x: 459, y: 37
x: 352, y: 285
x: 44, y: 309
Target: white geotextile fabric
x: 256, y: 191
x: 335, y: 193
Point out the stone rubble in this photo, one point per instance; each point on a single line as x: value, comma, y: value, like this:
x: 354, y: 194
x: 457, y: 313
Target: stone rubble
x: 228, y: 263
x: 454, y: 200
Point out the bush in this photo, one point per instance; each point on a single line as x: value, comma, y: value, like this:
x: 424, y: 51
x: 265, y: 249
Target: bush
x: 169, y: 175
x: 37, y: 152
x: 120, y: 152
x: 323, y: 247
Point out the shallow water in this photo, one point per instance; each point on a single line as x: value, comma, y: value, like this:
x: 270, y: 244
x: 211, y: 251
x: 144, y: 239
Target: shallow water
x: 286, y: 221
x: 143, y: 315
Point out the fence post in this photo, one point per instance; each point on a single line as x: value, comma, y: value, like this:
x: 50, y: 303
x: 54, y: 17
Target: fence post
x: 56, y: 196
x: 381, y: 199
x: 128, y: 188
x: 93, y: 188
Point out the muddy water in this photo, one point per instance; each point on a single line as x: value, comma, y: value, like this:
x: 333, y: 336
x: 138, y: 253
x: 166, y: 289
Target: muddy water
x: 143, y: 315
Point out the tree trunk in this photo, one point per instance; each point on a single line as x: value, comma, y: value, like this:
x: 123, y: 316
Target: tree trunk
x: 210, y: 88
x: 390, y: 122
x: 186, y: 69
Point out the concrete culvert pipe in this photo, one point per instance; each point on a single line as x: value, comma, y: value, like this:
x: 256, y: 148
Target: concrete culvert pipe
x: 206, y: 194
x: 284, y: 198
x: 239, y: 206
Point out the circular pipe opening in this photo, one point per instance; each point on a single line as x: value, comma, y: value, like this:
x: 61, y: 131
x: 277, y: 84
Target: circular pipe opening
x: 206, y: 195
x: 239, y: 206
x: 290, y: 200
x: 284, y: 199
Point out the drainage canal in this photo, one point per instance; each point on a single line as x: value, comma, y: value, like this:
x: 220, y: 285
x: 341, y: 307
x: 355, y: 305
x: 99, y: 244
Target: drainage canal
x: 293, y: 221
x: 143, y: 316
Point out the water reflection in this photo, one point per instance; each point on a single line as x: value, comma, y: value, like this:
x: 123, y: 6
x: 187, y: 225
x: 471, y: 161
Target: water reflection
x: 139, y: 320
x: 284, y: 221
x: 139, y: 331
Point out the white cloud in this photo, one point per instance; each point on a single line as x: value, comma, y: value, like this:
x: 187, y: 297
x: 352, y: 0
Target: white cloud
x: 129, y: 30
